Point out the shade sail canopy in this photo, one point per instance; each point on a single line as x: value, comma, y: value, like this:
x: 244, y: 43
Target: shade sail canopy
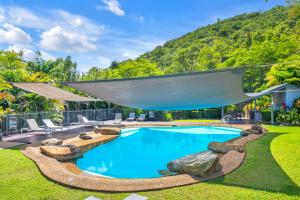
x: 175, y: 92
x: 49, y: 91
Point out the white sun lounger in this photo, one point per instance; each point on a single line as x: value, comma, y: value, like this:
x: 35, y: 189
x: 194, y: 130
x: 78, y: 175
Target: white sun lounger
x: 49, y: 124
x: 85, y: 121
x: 33, y: 126
x: 141, y: 118
x: 131, y: 117
x: 118, y: 118
x: 151, y: 115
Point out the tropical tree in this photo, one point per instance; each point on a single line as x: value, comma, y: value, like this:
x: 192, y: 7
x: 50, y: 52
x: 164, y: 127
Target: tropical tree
x: 11, y: 60
x: 284, y: 73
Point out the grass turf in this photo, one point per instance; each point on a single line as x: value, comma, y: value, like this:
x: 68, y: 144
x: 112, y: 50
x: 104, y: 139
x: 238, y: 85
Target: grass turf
x: 271, y: 171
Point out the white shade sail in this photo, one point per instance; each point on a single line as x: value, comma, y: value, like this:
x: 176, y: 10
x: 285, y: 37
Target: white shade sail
x: 49, y: 91
x: 174, y: 92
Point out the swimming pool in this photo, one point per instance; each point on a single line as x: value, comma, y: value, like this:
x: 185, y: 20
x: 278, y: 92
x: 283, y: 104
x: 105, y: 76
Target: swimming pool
x: 142, y: 152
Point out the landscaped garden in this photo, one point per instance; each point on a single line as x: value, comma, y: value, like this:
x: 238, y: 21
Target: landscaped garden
x: 270, y: 171
x: 72, y: 75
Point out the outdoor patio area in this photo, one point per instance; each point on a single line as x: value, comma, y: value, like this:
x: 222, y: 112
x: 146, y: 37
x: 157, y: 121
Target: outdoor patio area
x: 75, y: 130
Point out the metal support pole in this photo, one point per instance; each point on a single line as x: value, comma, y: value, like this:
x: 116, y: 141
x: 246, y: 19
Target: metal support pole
x: 254, y: 119
x: 272, y: 110
x: 222, y: 112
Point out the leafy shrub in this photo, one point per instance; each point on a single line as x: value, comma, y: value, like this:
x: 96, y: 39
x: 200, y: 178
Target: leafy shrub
x: 167, y: 116
x: 266, y: 115
x: 212, y: 113
x: 292, y: 117
x: 297, y: 104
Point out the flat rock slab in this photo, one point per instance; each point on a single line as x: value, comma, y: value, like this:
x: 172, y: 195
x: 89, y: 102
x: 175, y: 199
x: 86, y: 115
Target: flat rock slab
x: 62, y: 153
x: 199, y: 164
x: 224, y: 147
x: 110, y: 131
x: 51, y: 142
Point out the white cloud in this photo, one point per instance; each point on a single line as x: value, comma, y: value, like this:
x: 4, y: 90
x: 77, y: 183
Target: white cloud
x: 25, y: 18
x: 46, y: 56
x: 28, y: 53
x: 77, y: 23
x: 59, y: 39
x: 113, y: 6
x: 138, y: 18
x: 104, y: 61
x: 11, y: 34
x: 67, y: 32
x: 123, y: 48
x: 2, y: 17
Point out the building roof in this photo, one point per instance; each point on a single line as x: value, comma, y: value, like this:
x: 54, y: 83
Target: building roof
x: 268, y: 91
x: 49, y: 91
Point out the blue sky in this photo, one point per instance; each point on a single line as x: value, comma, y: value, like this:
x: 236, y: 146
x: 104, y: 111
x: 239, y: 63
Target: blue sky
x: 96, y: 32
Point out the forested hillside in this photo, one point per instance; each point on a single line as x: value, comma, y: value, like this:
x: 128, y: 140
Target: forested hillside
x: 245, y: 40
x: 267, y: 43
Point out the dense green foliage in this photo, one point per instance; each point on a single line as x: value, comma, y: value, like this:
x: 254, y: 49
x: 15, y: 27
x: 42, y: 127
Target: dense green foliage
x: 266, y: 43
x: 270, y: 171
x: 14, y: 69
x: 127, y: 69
x: 251, y: 40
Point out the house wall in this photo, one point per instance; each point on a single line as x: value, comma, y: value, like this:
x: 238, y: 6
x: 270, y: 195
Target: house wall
x: 291, y: 94
x: 279, y: 98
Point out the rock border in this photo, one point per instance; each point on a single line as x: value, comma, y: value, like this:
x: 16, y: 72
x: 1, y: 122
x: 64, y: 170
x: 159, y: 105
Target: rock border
x: 69, y: 175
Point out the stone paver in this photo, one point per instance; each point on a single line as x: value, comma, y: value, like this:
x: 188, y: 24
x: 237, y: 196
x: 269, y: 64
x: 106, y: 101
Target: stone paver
x: 6, y: 145
x: 92, y: 198
x: 136, y: 197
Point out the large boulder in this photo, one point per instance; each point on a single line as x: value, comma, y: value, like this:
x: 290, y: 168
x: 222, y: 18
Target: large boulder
x: 258, y: 128
x: 62, y: 153
x: 224, y: 147
x: 249, y: 132
x: 84, y: 136
x: 165, y: 172
x: 110, y: 131
x: 200, y: 164
x: 51, y: 142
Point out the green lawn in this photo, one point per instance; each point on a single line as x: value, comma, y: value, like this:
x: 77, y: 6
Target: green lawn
x: 271, y: 171
x: 199, y: 120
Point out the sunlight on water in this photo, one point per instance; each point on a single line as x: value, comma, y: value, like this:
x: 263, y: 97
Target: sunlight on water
x: 141, y: 152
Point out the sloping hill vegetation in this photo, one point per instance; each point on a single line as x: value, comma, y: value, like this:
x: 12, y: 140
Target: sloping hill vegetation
x: 267, y: 43
x: 253, y: 39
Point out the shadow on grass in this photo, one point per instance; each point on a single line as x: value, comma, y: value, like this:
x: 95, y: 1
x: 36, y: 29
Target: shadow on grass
x: 260, y: 171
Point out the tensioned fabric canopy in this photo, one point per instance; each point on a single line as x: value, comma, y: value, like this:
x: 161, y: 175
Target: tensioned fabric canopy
x: 49, y: 91
x: 174, y: 92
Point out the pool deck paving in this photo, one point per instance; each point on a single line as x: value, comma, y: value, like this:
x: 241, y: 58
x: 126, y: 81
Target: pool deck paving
x: 85, y: 145
x: 67, y: 173
x: 7, y: 145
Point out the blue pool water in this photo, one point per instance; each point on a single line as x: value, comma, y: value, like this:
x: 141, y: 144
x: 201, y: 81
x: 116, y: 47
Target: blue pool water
x: 141, y: 152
